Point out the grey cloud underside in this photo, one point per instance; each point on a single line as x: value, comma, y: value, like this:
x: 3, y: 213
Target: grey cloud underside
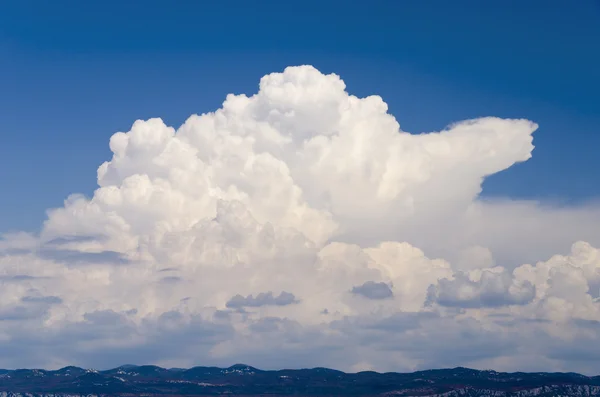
x: 491, y: 290
x: 373, y: 290
x: 75, y: 257
x: 170, y: 279
x: 42, y: 299
x: 262, y: 299
x: 22, y: 312
x: 18, y: 278
x: 58, y: 241
x: 301, y: 226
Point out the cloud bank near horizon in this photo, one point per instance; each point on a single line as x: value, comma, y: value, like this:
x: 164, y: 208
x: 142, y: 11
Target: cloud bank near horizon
x: 302, y: 227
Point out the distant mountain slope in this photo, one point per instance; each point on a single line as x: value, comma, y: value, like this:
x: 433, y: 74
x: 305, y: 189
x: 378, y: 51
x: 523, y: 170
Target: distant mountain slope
x: 244, y: 380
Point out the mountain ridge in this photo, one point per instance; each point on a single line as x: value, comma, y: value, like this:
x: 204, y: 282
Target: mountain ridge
x: 245, y: 380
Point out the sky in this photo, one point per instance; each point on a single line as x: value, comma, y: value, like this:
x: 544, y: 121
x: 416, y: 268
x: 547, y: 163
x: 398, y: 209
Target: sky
x: 377, y: 175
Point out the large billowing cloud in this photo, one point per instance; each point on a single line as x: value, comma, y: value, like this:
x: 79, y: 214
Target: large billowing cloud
x: 302, y: 227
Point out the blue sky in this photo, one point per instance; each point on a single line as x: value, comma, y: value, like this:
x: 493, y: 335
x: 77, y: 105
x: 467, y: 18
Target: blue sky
x: 73, y: 73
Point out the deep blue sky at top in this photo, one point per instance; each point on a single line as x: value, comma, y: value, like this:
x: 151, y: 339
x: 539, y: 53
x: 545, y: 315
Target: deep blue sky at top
x: 74, y: 72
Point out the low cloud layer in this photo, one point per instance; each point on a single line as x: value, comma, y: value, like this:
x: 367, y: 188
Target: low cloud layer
x: 262, y: 299
x: 378, y: 237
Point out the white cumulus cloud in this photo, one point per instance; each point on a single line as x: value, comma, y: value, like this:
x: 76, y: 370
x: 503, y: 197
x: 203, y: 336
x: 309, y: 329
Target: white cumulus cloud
x: 302, y: 227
